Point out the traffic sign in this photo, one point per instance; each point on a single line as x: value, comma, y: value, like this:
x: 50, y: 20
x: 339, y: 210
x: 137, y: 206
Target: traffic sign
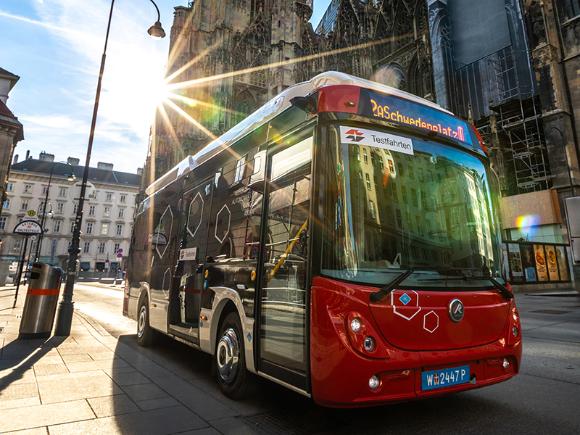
x: 31, y: 215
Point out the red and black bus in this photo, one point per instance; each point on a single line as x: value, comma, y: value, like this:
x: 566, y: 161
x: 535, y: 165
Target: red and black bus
x: 341, y: 241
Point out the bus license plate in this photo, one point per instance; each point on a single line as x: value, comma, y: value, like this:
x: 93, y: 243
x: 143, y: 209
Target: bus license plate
x: 434, y: 379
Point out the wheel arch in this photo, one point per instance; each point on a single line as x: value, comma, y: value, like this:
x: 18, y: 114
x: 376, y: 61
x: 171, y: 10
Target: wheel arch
x: 143, y: 294
x: 227, y: 301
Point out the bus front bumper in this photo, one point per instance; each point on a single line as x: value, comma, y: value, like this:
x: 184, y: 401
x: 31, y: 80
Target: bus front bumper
x: 342, y: 374
x: 348, y: 383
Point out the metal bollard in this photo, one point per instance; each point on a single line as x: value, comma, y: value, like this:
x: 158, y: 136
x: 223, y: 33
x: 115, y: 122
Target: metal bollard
x: 41, y: 301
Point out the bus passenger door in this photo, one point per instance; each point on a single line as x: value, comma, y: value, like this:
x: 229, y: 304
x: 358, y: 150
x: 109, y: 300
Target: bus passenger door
x: 186, y: 299
x: 283, y: 296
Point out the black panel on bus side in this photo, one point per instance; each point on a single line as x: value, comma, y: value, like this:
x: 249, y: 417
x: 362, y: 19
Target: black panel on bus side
x: 165, y: 222
x: 234, y: 222
x: 141, y: 251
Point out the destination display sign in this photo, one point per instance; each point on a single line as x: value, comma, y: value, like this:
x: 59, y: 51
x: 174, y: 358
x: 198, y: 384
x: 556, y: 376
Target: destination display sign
x: 400, y: 111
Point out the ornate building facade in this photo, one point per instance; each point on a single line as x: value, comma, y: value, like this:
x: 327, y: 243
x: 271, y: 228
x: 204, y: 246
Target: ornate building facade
x: 227, y: 58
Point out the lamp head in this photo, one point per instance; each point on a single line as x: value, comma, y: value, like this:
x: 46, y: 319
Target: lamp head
x: 156, y: 30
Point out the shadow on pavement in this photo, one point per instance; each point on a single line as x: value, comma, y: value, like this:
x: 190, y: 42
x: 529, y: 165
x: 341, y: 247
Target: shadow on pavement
x: 21, y: 355
x: 272, y: 409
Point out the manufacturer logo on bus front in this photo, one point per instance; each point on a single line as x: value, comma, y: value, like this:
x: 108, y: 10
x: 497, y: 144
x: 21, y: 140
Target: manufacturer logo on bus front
x: 354, y: 135
x: 456, y: 310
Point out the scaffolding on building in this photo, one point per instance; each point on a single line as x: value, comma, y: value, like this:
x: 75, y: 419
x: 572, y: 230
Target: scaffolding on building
x: 502, y: 101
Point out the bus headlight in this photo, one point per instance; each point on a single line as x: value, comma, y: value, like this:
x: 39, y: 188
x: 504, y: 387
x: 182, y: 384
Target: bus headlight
x: 355, y: 325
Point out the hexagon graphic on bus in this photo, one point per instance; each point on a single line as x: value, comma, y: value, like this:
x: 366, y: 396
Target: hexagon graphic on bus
x: 405, y: 303
x: 195, y: 214
x: 163, y: 232
x: 222, y: 223
x: 166, y: 282
x: 430, y: 321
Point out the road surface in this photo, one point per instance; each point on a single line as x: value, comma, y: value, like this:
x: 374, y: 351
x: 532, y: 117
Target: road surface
x: 544, y: 398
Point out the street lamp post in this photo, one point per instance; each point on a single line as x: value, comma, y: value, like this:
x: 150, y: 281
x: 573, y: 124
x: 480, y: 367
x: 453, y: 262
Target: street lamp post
x: 66, y: 305
x: 71, y: 177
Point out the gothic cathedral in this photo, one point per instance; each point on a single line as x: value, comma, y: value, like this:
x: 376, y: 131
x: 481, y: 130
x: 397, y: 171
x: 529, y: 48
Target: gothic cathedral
x: 229, y: 57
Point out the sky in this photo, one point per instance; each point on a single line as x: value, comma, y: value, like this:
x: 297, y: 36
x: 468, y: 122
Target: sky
x: 55, y: 47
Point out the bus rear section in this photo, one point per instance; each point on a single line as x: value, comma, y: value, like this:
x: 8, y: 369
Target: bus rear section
x: 409, y: 302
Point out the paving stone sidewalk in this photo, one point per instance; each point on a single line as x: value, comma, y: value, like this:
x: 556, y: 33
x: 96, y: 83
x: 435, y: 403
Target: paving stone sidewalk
x: 92, y: 382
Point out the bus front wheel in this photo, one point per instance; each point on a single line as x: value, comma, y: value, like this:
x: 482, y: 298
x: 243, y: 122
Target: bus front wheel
x: 145, y: 335
x: 229, y: 360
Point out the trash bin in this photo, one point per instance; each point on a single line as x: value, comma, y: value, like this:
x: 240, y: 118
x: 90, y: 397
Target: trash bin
x: 41, y: 301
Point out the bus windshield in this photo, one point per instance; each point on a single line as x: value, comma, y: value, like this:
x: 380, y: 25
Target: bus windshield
x: 397, y: 202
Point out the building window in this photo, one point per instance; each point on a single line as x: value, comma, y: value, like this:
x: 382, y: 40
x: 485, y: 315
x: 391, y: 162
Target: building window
x: 569, y: 9
x: 75, y: 208
x: 117, y: 247
x: 24, y: 205
x: 6, y: 204
x: 109, y: 197
x: 2, y: 222
x: 240, y: 166
x: 10, y: 187
x: 56, y: 227
x: 59, y: 207
x: 89, y: 228
x: 44, y: 190
x: 365, y: 155
x: 93, y: 194
x: 107, y: 212
x: 101, y: 247
x: 53, y: 245
x: 28, y: 188
x: 72, y: 227
x: 41, y: 208
x: 87, y: 247
x: 121, y: 212
x: 91, y: 210
x: 119, y: 229
x: 17, y: 244
x: 104, y: 229
x: 123, y: 198
x: 62, y: 192
x: 372, y: 210
x: 368, y: 181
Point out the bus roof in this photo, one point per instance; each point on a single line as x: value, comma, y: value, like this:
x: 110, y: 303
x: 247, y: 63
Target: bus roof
x: 270, y: 110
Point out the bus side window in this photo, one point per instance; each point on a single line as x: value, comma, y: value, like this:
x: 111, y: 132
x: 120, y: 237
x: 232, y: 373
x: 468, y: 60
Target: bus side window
x: 236, y: 212
x: 246, y: 222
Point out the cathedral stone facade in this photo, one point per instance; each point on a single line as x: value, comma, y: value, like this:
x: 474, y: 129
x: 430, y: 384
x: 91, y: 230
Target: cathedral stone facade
x: 227, y: 58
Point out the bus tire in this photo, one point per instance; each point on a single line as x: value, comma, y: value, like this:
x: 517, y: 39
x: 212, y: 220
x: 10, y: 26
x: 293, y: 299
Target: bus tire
x: 229, y: 361
x: 145, y: 334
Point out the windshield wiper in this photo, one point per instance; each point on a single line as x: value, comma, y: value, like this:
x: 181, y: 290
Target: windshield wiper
x: 386, y: 289
x: 500, y: 287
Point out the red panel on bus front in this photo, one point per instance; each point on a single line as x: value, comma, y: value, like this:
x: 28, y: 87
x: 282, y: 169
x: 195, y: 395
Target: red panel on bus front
x: 420, y: 320
x: 339, y: 98
x: 341, y: 368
